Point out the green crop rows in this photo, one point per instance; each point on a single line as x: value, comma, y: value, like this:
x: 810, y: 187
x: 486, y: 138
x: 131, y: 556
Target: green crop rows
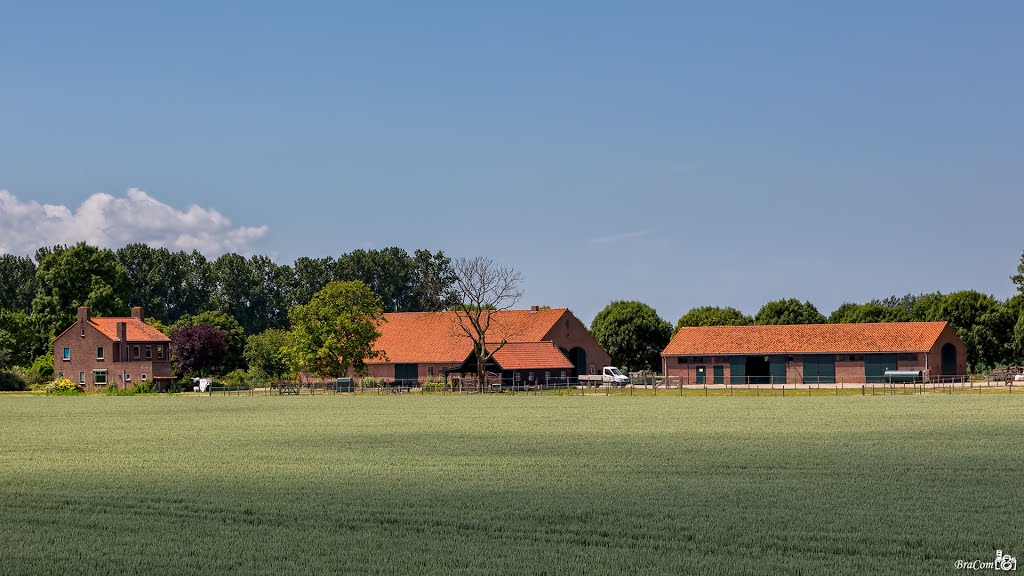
x: 501, y: 484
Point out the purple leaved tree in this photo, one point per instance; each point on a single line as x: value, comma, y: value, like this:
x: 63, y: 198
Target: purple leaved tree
x: 198, y: 348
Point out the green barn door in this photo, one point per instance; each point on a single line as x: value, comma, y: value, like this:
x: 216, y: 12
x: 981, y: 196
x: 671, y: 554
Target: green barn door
x: 777, y: 368
x: 738, y: 370
x: 875, y: 366
x: 701, y: 374
x: 819, y: 369
x: 406, y: 372
x: 719, y: 374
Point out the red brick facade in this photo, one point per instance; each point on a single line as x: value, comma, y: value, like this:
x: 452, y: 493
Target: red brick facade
x: 100, y: 351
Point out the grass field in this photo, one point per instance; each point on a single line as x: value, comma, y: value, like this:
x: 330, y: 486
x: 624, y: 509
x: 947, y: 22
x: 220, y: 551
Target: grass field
x: 496, y: 484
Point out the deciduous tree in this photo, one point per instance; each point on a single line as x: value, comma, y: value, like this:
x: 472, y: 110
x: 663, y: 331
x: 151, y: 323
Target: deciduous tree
x: 482, y: 287
x: 233, y: 358
x: 266, y: 353
x: 198, y: 349
x: 713, y: 316
x: 791, y: 311
x: 336, y: 330
x: 633, y: 333
x: 81, y: 275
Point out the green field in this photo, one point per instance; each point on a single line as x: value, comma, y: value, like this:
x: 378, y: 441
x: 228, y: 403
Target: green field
x: 499, y: 484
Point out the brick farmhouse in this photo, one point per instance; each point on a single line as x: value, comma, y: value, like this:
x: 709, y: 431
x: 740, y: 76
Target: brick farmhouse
x: 123, y: 351
x: 540, y: 343
x: 814, y: 353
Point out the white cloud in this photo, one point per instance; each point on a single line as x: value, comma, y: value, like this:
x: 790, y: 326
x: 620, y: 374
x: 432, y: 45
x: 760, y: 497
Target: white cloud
x: 111, y: 222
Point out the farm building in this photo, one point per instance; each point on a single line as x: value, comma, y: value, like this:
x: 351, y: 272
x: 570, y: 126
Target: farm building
x: 122, y: 351
x: 539, y: 343
x: 814, y: 353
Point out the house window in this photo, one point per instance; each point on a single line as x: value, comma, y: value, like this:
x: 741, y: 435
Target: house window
x: 81, y: 378
x: 135, y: 351
x: 67, y: 354
x: 99, y: 377
x: 99, y: 352
x: 127, y: 377
x: 160, y: 352
x: 149, y: 352
x: 430, y: 370
x: 143, y: 377
x: 83, y: 332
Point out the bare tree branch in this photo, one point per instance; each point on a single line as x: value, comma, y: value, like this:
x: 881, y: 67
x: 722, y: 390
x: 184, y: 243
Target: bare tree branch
x: 483, y: 287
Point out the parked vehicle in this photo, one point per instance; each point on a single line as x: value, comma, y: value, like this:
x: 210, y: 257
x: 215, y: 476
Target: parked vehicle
x: 608, y: 375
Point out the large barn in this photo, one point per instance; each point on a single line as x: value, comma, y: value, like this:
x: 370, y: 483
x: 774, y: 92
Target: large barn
x: 549, y: 342
x: 814, y: 353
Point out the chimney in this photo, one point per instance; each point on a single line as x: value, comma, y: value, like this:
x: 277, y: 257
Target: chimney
x: 83, y: 315
x: 122, y: 346
x: 534, y: 308
x: 137, y: 312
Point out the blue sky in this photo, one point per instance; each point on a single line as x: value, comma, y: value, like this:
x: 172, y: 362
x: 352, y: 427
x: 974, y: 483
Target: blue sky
x: 722, y: 153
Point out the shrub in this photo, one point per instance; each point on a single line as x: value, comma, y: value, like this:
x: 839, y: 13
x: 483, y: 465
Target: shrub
x: 42, y: 366
x: 63, y: 387
x: 237, y: 378
x: 12, y: 382
x: 371, y: 382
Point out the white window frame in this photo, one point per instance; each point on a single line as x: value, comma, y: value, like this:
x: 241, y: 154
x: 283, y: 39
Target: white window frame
x: 143, y: 377
x: 100, y: 353
x: 67, y: 353
x: 95, y: 374
x: 81, y: 377
x: 127, y: 377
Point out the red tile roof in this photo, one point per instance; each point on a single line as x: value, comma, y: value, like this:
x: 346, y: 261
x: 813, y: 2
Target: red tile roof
x: 806, y: 339
x: 531, y: 355
x: 136, y: 330
x: 435, y: 337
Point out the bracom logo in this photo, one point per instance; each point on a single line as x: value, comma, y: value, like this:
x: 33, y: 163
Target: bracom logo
x: 1003, y: 562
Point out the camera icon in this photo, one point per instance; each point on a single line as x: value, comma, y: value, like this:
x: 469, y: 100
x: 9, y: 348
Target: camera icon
x: 1005, y: 562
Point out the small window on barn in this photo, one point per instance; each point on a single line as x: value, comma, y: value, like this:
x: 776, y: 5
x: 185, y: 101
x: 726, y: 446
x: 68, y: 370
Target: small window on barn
x: 149, y: 352
x: 680, y: 360
x: 99, y: 352
x: 430, y: 371
x: 67, y: 354
x: 909, y: 357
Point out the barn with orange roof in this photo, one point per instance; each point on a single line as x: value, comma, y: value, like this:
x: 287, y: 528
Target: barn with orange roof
x: 815, y: 353
x: 536, y: 343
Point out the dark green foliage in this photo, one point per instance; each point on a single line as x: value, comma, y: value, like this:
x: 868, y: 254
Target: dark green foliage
x: 266, y: 354
x: 874, y: 311
x: 17, y: 283
x: 633, y: 333
x: 12, y: 382
x: 790, y: 311
x: 713, y: 316
x: 80, y: 275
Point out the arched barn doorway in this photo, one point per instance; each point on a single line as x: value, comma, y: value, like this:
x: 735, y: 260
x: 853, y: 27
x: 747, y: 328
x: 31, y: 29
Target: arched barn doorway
x: 948, y: 360
x: 578, y: 357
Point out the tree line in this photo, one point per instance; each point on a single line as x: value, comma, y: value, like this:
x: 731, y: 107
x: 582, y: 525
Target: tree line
x: 236, y: 295
x: 992, y: 330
